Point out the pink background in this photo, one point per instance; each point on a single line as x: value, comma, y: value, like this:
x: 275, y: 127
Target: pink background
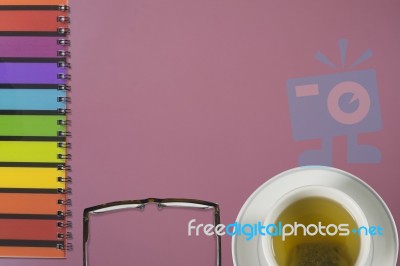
x: 185, y: 98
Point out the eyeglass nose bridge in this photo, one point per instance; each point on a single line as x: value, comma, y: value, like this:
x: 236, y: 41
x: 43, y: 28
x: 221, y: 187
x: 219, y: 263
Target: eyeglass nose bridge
x: 147, y: 201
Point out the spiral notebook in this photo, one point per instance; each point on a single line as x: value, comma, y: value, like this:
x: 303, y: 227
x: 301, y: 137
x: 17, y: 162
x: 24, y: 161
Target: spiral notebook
x: 34, y: 94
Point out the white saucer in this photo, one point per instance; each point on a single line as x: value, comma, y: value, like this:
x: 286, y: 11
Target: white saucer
x: 257, y: 206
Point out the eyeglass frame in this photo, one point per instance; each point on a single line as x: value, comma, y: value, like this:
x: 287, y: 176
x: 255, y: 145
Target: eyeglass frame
x: 141, y: 204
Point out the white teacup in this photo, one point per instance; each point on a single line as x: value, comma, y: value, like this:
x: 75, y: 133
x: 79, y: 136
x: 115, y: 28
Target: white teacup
x: 265, y: 246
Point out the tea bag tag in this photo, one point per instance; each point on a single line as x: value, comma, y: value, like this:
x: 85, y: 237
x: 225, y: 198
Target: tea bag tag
x: 319, y: 254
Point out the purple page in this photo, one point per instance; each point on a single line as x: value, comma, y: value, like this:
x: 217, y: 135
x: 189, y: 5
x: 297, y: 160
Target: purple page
x: 31, y: 73
x: 29, y: 46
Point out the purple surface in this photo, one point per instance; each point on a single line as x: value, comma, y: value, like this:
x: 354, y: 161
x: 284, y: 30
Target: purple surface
x: 188, y: 98
x: 30, y: 73
x: 29, y: 46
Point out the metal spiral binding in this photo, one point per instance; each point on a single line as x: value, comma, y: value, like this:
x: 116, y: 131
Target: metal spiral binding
x: 63, y: 87
x: 67, y: 213
x: 63, y: 111
x: 64, y: 134
x: 65, y: 145
x: 64, y: 156
x: 62, y: 63
x: 64, y: 76
x: 65, y: 122
x: 64, y: 224
x: 63, y: 19
x: 66, y: 202
x: 63, y: 8
x: 64, y: 167
x: 67, y: 179
x: 64, y: 42
x: 63, y: 31
x: 67, y: 235
x: 63, y: 53
x: 67, y: 247
x: 64, y: 191
x: 64, y: 99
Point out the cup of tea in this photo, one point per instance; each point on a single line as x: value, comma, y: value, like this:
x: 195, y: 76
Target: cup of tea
x: 315, y: 225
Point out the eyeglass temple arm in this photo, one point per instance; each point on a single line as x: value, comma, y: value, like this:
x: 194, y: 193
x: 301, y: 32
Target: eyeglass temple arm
x: 85, y: 235
x: 219, y: 244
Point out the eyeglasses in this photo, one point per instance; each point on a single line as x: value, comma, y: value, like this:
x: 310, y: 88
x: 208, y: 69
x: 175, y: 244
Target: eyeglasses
x: 141, y: 204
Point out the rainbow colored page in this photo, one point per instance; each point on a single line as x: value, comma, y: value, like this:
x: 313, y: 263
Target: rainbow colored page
x: 33, y: 128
